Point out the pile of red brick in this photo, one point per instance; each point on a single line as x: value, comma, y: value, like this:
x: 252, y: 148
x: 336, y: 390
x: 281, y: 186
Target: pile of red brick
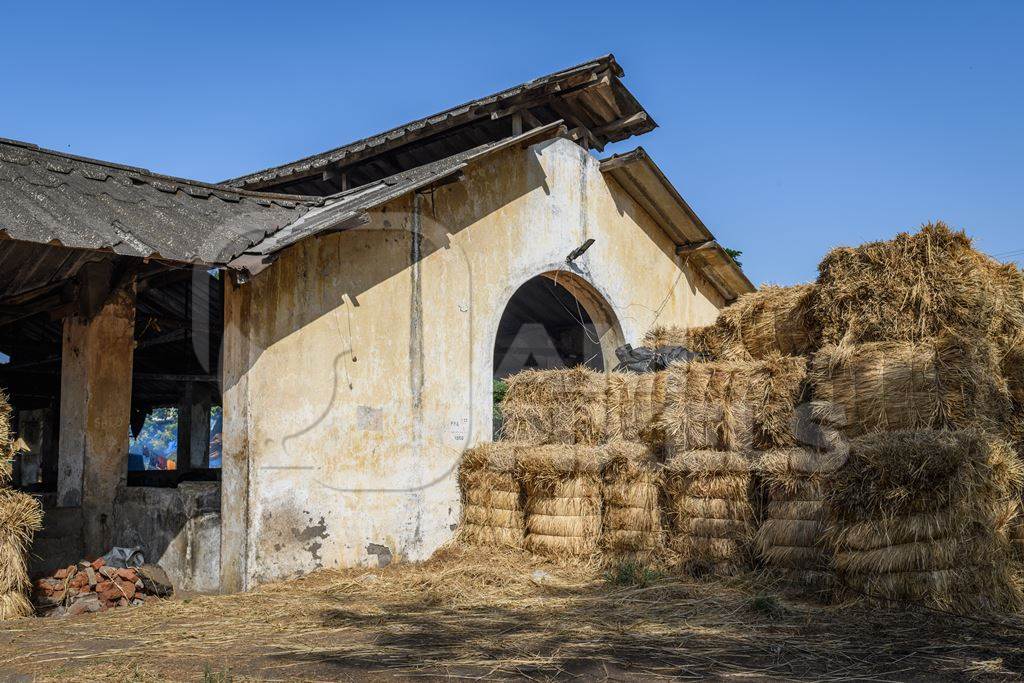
x: 95, y: 587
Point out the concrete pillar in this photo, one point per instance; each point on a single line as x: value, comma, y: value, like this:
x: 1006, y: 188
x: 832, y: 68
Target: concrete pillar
x: 194, y: 426
x: 199, y: 425
x: 95, y: 401
x: 234, y: 537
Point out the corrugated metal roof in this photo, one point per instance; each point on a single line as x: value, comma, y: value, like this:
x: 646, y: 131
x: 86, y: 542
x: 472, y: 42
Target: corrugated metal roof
x: 348, y: 209
x: 641, y: 178
x: 589, y: 94
x: 49, y: 197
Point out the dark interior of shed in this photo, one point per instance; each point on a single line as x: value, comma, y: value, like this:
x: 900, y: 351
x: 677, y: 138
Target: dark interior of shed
x: 544, y: 326
x: 175, y: 407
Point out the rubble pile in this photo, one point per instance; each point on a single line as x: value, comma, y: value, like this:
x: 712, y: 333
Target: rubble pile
x: 95, y: 587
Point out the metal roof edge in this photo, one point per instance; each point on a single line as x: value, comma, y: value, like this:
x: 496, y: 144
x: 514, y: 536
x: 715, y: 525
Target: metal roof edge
x: 606, y: 61
x: 626, y: 168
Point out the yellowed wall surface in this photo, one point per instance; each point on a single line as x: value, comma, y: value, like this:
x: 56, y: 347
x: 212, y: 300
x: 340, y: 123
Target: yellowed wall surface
x: 358, y: 366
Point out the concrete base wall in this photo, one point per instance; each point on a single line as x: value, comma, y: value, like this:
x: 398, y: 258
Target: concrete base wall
x: 177, y: 528
x: 358, y: 367
x: 59, y: 542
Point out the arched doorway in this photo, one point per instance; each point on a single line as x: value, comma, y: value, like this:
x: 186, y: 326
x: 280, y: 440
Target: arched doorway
x: 554, y: 320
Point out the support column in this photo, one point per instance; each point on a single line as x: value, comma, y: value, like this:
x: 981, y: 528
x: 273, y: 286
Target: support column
x: 234, y: 500
x: 194, y: 426
x: 199, y: 425
x: 95, y: 402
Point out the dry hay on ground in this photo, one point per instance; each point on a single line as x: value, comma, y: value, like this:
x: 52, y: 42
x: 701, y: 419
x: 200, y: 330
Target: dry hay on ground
x: 709, y: 500
x: 492, y: 501
x: 563, y: 499
x: 923, y: 517
x: 732, y: 405
x: 634, y: 401
x: 555, y: 406
x: 631, y: 526
x: 942, y: 383
x: 916, y: 286
x: 20, y: 518
x: 790, y: 539
x: 502, y: 614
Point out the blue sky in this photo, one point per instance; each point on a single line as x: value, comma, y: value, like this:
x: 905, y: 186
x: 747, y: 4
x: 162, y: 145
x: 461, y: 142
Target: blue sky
x: 790, y: 127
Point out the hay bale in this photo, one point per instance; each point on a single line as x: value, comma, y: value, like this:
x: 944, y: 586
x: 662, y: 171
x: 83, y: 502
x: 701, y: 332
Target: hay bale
x: 769, y: 322
x: 732, y: 405
x: 632, y: 507
x: 563, y: 485
x: 492, y: 505
x: 914, y: 287
x: 705, y: 340
x: 791, y: 538
x: 634, y: 402
x: 20, y: 517
x: 710, y: 509
x: 555, y: 406
x: 946, y: 382
x: 924, y: 516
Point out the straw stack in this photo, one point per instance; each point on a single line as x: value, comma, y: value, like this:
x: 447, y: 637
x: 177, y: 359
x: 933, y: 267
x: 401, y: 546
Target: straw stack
x: 709, y: 503
x: 555, y: 407
x: 945, y: 382
x: 915, y: 287
x: 791, y: 538
x: 20, y: 517
x: 922, y: 517
x: 634, y: 403
x: 492, y: 502
x: 732, y: 405
x: 632, y: 508
x: 563, y: 499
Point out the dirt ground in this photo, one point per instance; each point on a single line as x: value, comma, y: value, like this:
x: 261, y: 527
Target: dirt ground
x: 495, y: 616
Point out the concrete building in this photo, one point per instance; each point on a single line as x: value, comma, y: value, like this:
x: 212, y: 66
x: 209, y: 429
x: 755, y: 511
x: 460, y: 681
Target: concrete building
x: 348, y: 313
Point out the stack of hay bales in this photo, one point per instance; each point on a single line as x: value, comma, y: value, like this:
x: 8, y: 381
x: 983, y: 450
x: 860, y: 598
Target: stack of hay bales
x: 716, y: 415
x: 791, y: 538
x: 20, y: 518
x: 631, y: 527
x: 710, y: 504
x: 920, y: 516
x: 555, y: 407
x: 492, y: 500
x: 563, y: 485
x: 917, y: 370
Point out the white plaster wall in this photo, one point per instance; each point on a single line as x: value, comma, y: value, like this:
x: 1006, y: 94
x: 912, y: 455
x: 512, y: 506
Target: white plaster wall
x: 354, y: 379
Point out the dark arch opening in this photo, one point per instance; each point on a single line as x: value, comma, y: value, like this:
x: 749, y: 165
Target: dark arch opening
x: 544, y: 327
